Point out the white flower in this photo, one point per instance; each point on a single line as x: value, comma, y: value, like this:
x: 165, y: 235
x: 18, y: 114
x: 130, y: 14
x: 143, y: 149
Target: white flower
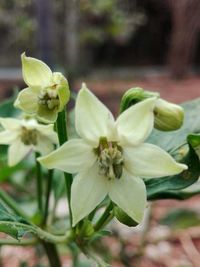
x: 110, y: 157
x: 24, y: 136
x: 47, y: 92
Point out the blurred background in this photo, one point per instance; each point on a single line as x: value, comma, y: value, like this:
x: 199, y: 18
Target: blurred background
x: 113, y: 45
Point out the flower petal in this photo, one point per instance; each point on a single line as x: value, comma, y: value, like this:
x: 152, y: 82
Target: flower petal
x: 150, y: 161
x: 48, y: 131
x: 16, y: 152
x: 62, y: 89
x: 44, y: 145
x: 92, y: 119
x: 35, y: 72
x: 27, y: 100
x: 73, y: 156
x: 129, y: 193
x: 88, y: 190
x: 136, y: 123
x: 10, y: 123
x: 46, y: 115
x: 7, y: 137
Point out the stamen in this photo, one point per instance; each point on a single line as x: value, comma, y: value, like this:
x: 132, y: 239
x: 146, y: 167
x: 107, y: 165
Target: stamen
x: 49, y: 98
x: 29, y: 136
x: 110, y: 159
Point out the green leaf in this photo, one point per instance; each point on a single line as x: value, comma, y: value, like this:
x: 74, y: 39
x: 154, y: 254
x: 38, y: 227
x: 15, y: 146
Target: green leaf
x: 170, y: 140
x: 6, y: 171
x: 12, y: 224
x: 7, y: 109
x: 168, y: 187
x: 98, y: 235
x: 181, y: 219
x: 123, y: 217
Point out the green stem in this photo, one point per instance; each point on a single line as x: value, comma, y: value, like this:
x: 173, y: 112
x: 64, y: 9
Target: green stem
x: 39, y: 184
x: 12, y: 204
x: 49, y: 185
x: 63, y: 137
x: 105, y: 217
x: 96, y: 258
x: 22, y: 243
x: 38, y: 232
x: 52, y: 254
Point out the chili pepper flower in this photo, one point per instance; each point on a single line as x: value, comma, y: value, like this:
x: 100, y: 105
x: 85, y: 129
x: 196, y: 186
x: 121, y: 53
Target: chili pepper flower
x: 23, y: 136
x: 47, y: 92
x: 111, y: 158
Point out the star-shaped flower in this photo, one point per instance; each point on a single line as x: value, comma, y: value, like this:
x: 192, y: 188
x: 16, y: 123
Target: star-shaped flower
x: 110, y: 158
x: 47, y: 91
x: 23, y: 136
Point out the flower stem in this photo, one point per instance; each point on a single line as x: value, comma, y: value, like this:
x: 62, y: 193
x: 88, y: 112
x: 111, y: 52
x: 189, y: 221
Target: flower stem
x: 21, y: 243
x: 12, y: 204
x: 63, y: 137
x: 39, y: 184
x: 105, y: 217
x: 52, y: 254
x: 49, y: 185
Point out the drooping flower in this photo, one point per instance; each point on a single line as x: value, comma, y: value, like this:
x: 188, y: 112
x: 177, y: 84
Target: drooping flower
x: 111, y: 158
x: 47, y: 91
x: 23, y: 136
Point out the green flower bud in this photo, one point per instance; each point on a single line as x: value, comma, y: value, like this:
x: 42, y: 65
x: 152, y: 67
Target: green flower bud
x: 135, y: 95
x: 123, y: 217
x: 168, y: 116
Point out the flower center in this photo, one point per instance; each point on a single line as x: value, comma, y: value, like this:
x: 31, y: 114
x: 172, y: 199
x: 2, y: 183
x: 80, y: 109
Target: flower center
x: 29, y: 136
x: 49, y: 98
x: 110, y: 159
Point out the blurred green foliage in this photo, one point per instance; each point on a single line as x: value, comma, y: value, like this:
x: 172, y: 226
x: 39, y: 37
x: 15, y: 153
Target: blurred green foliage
x: 109, y: 19
x: 17, y: 26
x: 99, y: 21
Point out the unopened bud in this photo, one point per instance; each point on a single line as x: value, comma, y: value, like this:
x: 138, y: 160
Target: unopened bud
x: 135, y: 95
x: 168, y: 116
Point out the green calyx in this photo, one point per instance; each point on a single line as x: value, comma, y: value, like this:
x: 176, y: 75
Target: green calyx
x: 110, y: 159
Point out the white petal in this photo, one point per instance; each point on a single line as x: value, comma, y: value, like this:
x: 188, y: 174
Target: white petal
x: 149, y: 161
x: 129, y: 193
x: 10, y: 124
x: 27, y: 100
x: 16, y: 152
x: 44, y: 146
x: 48, y: 131
x: 35, y: 72
x: 93, y: 120
x: 88, y: 190
x: 136, y: 123
x: 7, y: 137
x: 73, y: 156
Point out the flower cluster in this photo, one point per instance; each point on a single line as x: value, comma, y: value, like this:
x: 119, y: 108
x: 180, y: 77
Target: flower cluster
x: 109, y: 159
